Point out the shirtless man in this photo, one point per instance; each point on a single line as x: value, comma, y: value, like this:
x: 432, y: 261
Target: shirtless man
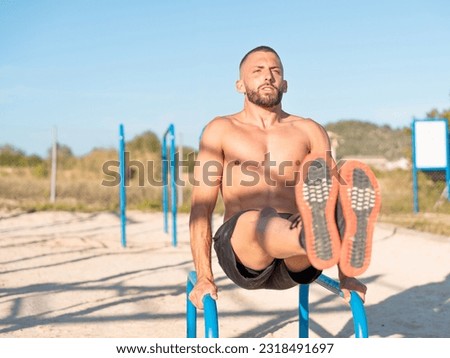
x: 290, y: 212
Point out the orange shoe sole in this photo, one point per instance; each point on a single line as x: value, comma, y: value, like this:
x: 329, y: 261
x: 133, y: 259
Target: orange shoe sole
x: 360, y: 198
x: 316, y: 196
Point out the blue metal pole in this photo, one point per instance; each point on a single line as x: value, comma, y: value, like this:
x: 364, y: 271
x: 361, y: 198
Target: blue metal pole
x: 447, y: 172
x: 211, y: 318
x: 330, y: 284
x: 122, y: 193
x: 359, y: 316
x: 173, y: 185
x: 414, y: 168
x: 165, y: 174
x: 303, y: 311
x: 164, y: 178
x: 356, y: 305
x: 210, y: 313
x: 191, y: 310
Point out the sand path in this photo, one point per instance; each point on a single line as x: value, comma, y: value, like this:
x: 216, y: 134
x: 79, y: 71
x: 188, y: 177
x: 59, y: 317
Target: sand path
x: 66, y: 275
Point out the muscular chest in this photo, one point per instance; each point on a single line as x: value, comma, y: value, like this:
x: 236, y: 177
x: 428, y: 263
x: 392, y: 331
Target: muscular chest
x: 277, y: 152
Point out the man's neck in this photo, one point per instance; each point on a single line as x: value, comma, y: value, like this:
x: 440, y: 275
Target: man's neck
x: 261, y: 116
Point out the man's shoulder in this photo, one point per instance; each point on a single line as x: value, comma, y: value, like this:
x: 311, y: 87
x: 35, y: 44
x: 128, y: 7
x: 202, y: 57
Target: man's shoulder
x: 302, y: 121
x: 219, y: 123
x: 227, y: 119
x: 217, y: 126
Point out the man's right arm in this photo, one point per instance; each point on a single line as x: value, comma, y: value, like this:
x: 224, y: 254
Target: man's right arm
x: 207, y: 179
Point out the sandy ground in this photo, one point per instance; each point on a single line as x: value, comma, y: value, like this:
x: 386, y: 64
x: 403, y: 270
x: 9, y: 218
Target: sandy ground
x: 67, y: 275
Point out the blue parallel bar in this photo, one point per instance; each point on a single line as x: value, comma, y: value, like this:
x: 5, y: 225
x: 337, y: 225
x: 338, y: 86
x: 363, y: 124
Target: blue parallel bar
x: 359, y: 316
x: 122, y: 192
x: 356, y: 306
x: 210, y: 312
x: 191, y: 310
x: 330, y: 284
x: 211, y: 318
x: 303, y: 312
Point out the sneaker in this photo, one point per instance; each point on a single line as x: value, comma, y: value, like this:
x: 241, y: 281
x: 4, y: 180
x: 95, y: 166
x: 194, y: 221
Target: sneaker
x: 316, y: 196
x: 360, y: 201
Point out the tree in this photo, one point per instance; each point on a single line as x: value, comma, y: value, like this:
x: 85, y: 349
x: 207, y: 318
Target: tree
x: 12, y: 157
x: 65, y: 157
x: 435, y: 113
x: 145, y: 142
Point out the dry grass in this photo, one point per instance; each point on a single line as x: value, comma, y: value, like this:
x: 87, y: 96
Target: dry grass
x: 80, y: 189
x: 398, y: 202
x: 435, y: 223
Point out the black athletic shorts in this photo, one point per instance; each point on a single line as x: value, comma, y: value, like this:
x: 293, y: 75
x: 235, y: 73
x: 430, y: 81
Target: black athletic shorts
x: 276, y: 276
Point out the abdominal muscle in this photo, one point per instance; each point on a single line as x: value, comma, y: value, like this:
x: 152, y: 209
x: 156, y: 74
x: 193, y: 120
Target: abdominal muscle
x: 259, y: 192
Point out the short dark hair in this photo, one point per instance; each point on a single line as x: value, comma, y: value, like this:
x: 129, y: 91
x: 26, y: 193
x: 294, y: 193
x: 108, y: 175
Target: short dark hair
x: 258, y: 49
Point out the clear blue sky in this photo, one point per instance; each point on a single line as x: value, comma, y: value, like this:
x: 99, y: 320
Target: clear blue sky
x: 85, y: 66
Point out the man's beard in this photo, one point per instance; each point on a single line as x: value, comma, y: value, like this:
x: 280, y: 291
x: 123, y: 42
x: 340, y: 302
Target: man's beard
x: 268, y: 100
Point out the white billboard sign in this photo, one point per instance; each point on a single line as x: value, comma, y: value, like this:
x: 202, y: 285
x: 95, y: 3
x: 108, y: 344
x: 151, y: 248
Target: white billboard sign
x: 430, y: 144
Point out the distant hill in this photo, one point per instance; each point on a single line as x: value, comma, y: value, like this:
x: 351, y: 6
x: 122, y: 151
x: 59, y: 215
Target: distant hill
x: 354, y: 137
x: 364, y: 138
